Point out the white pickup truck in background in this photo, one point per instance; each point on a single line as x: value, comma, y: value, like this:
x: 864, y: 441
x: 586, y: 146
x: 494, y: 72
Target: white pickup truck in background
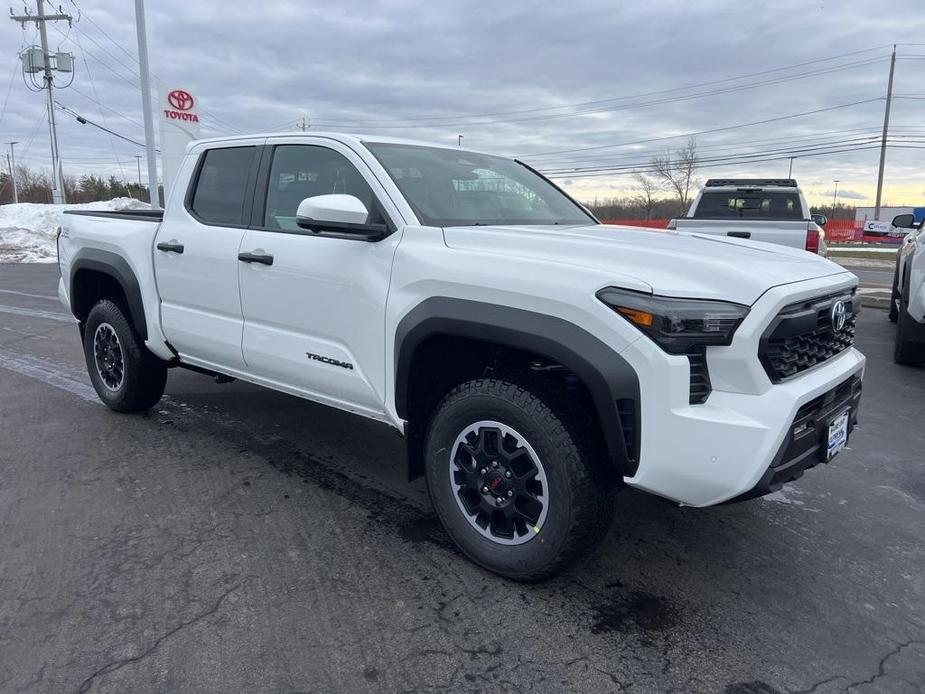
x: 770, y: 210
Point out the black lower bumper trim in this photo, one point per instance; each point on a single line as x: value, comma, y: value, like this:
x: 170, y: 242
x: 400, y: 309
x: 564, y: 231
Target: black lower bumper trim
x: 806, y: 442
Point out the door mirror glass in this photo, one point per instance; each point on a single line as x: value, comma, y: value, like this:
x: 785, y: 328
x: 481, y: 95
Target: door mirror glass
x: 904, y: 221
x: 820, y: 219
x: 337, y: 208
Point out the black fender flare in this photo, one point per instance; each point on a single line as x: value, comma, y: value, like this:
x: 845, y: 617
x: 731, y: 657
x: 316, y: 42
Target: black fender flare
x: 606, y: 374
x: 115, y: 266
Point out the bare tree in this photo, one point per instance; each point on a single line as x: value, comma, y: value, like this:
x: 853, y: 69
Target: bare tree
x: 645, y: 197
x: 677, y: 170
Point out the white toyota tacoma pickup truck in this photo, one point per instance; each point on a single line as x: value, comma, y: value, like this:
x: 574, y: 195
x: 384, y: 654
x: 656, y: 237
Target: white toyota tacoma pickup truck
x: 772, y: 210
x: 534, y: 359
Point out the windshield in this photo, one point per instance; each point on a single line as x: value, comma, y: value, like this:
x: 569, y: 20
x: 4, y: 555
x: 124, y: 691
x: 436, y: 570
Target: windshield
x: 449, y: 187
x: 757, y: 205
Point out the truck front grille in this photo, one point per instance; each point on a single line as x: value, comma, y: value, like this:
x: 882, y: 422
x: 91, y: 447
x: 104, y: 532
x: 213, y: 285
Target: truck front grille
x: 807, y: 333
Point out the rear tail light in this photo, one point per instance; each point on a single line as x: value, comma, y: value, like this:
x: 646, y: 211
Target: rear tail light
x: 812, y: 238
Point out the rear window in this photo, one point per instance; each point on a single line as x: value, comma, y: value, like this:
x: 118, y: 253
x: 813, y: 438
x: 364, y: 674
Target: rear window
x: 221, y: 186
x: 760, y: 205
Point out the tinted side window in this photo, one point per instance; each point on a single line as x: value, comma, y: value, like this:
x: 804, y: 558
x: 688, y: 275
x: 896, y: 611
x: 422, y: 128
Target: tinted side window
x: 304, y: 171
x: 222, y: 185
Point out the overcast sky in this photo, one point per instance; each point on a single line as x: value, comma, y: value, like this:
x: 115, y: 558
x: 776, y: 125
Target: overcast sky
x: 563, y: 76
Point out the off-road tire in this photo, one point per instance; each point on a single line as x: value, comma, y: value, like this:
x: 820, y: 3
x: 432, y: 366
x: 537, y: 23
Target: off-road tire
x: 143, y: 376
x: 580, y: 494
x: 905, y: 351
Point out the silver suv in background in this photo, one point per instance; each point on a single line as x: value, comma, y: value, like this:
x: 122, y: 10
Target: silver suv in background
x: 907, y: 304
x: 773, y: 210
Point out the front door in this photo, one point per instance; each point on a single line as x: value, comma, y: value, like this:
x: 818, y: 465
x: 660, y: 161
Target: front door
x: 196, y: 258
x: 314, y: 319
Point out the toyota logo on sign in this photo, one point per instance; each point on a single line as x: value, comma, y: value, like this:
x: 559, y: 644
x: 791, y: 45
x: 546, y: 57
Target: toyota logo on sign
x: 181, y: 100
x: 839, y: 316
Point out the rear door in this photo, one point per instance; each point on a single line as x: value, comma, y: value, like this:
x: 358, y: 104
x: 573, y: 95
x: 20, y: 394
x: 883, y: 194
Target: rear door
x: 314, y: 319
x: 196, y: 256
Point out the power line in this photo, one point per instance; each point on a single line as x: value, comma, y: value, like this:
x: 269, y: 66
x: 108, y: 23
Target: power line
x: 421, y: 120
x: 457, y: 122
x: 742, y: 156
x: 112, y: 143
x: 788, y: 139
x: 708, y: 130
x: 730, y: 161
x: 226, y: 125
x: 86, y: 121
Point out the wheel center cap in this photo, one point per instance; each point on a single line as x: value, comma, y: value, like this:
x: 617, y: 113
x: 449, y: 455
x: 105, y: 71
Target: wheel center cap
x: 496, y: 484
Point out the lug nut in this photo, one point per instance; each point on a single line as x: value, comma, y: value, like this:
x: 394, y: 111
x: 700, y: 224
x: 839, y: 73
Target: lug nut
x: 499, y: 501
x: 507, y: 474
x: 482, y: 471
x: 494, y: 463
x: 485, y: 489
x: 510, y: 493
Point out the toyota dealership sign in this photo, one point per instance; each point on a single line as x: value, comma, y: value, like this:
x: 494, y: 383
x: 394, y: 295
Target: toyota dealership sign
x: 180, y: 104
x: 179, y: 126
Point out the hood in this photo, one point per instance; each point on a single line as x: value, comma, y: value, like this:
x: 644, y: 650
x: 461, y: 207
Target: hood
x: 671, y: 263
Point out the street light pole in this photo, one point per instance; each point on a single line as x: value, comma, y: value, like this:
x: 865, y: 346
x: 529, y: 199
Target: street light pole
x: 459, y: 140
x: 12, y: 161
x: 834, y: 198
x: 886, y: 132
x: 138, y: 161
x: 790, y: 172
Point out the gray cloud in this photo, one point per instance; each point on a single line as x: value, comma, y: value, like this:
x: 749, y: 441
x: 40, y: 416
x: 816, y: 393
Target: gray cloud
x: 366, y: 64
x: 846, y: 194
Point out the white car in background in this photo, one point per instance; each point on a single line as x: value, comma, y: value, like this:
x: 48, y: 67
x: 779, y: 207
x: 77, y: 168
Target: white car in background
x: 773, y: 210
x: 907, y: 303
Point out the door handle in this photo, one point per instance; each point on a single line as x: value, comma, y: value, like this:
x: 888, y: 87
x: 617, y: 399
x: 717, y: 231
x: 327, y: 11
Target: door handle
x: 262, y: 258
x: 740, y: 234
x: 171, y: 247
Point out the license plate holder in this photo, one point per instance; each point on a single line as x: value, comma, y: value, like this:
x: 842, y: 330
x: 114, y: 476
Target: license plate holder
x: 837, y: 435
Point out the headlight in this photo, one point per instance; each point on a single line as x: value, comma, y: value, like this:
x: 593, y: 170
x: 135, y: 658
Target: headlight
x: 677, y: 325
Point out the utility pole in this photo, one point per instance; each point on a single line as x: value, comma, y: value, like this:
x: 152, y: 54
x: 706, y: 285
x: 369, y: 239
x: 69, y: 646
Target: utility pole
x: 138, y: 161
x: 459, y: 140
x: 145, y: 75
x: 11, y: 160
x: 835, y: 198
x: 303, y: 124
x: 40, y: 19
x: 886, y: 130
x: 790, y: 172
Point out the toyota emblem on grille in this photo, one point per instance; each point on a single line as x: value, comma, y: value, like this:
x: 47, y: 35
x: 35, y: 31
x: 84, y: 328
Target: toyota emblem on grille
x: 839, y: 316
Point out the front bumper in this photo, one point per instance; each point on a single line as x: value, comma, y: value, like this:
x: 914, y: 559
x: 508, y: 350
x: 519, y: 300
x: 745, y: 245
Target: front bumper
x: 805, y: 445
x: 737, y: 442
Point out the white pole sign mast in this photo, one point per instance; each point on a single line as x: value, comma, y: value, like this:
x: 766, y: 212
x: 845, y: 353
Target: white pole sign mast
x: 144, y: 74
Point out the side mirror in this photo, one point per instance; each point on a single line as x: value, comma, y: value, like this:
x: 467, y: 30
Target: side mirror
x: 904, y: 221
x: 338, y: 215
x: 820, y: 219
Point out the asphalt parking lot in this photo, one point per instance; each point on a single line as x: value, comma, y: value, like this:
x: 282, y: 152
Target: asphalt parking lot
x: 240, y: 540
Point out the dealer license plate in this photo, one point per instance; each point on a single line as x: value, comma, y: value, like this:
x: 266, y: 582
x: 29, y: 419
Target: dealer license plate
x: 838, y: 434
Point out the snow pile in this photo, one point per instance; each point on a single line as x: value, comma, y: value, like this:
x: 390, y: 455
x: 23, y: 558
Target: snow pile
x: 27, y: 230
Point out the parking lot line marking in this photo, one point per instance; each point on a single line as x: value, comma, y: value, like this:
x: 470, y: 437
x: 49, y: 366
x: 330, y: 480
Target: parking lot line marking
x: 38, y: 313
x: 46, y: 372
x: 31, y: 296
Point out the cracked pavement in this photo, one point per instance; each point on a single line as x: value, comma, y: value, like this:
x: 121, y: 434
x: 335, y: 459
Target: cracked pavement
x: 236, y: 539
